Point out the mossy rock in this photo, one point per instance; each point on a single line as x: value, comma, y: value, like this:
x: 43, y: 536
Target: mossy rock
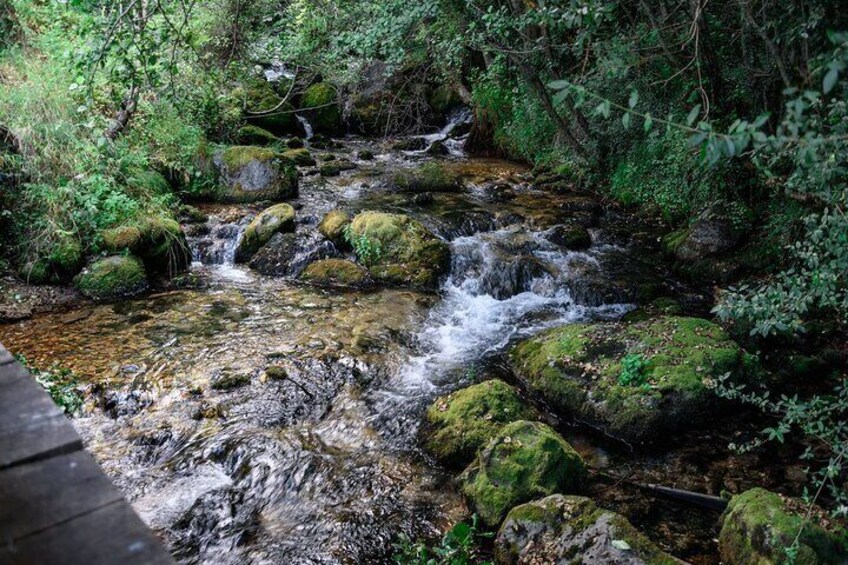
x: 320, y: 101
x: 336, y: 273
x: 255, y: 135
x: 365, y: 155
x: 251, y: 174
x: 465, y: 421
x: 399, y: 250
x: 228, y: 379
x: 524, y: 461
x: 276, y: 219
x: 259, y: 96
x: 333, y: 227
x: 759, y: 526
x: 573, y: 237
x: 191, y: 215
x: 117, y: 276
x: 577, y: 369
x: 443, y: 99
x: 301, y: 157
x: 430, y: 177
x: 295, y: 143
x: 330, y: 170
x: 572, y: 529
x: 158, y: 240
x: 63, y: 261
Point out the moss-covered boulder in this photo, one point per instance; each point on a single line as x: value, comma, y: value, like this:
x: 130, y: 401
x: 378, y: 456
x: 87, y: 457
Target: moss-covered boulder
x: 276, y: 219
x: 336, y: 273
x: 117, y: 276
x: 158, y: 240
x: 63, y: 259
x: 255, y: 135
x: 465, y: 421
x: 759, y: 526
x: 399, y: 250
x: 250, y: 174
x: 573, y: 237
x: 637, y: 381
x: 320, y: 102
x: 524, y: 461
x: 430, y: 177
x: 266, y: 109
x: 571, y: 530
x: 333, y: 227
x: 301, y: 157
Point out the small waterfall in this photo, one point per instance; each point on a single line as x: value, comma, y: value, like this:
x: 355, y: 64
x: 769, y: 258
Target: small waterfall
x: 307, y: 127
x: 458, y: 117
x: 214, y: 244
x: 503, y: 285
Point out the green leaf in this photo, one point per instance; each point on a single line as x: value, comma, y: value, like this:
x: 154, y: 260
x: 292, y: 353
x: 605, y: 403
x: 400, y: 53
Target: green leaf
x: 625, y: 120
x: 620, y: 544
x: 559, y: 84
x: 693, y: 114
x: 649, y: 122
x: 830, y: 80
x: 634, y: 99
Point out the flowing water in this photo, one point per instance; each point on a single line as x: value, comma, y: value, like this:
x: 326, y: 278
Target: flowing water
x: 318, y: 461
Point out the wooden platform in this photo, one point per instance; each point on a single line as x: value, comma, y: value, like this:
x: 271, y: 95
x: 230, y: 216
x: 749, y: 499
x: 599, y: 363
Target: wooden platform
x: 56, y: 505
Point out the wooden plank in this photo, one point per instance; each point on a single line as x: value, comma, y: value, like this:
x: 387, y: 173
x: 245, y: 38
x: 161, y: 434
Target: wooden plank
x: 112, y: 534
x: 5, y: 356
x: 32, y: 427
x: 38, y: 496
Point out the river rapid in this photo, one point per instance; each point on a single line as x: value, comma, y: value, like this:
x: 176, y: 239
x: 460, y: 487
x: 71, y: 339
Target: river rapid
x: 319, y: 462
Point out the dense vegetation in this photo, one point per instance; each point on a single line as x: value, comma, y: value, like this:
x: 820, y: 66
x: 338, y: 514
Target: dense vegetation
x: 680, y: 110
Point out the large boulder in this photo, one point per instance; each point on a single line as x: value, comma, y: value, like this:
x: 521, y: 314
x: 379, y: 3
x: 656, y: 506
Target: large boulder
x: 322, y: 109
x: 266, y: 109
x: 276, y: 219
x: 255, y: 135
x: 759, y: 526
x: 251, y: 174
x: 638, y: 382
x: 117, y: 276
x: 571, y: 530
x: 276, y: 257
x: 717, y: 229
x: 399, y: 250
x: 158, y: 241
x: 333, y: 226
x: 465, y: 421
x: 524, y: 461
x: 336, y: 273
x: 430, y: 177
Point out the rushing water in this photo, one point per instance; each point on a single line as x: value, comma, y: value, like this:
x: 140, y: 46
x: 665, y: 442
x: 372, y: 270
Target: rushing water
x: 317, y: 462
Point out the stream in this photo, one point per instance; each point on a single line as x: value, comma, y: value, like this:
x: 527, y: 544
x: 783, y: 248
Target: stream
x: 322, y: 463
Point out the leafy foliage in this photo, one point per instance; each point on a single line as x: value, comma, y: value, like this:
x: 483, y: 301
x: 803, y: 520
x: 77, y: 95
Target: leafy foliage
x: 60, y: 383
x: 368, y: 251
x: 633, y: 370
x: 460, y: 546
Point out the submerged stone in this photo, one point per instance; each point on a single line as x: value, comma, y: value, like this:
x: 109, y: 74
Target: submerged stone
x: 336, y: 273
x: 571, y: 530
x: 466, y: 420
x: 399, y: 250
x: 301, y: 157
x: 759, y: 526
x: 250, y: 174
x: 430, y: 177
x: 524, y: 461
x: 276, y: 219
x: 638, y: 381
x: 118, y: 276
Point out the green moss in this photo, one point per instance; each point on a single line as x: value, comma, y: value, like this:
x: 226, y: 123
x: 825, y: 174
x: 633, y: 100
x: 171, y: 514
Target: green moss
x: 159, y: 241
x: 276, y: 373
x: 559, y: 525
x: 330, y: 170
x: 238, y: 156
x: 333, y: 226
x: 230, y: 380
x: 261, y: 97
x: 576, y: 369
x: 336, y: 272
x: 192, y: 215
x: 758, y: 527
x: 324, y: 113
x: 443, y: 98
x: 526, y: 460
x: 117, y: 276
x: 466, y: 420
x: 255, y: 135
x: 408, y: 253
x: 148, y: 182
x: 276, y: 219
x: 430, y: 177
x: 301, y: 157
